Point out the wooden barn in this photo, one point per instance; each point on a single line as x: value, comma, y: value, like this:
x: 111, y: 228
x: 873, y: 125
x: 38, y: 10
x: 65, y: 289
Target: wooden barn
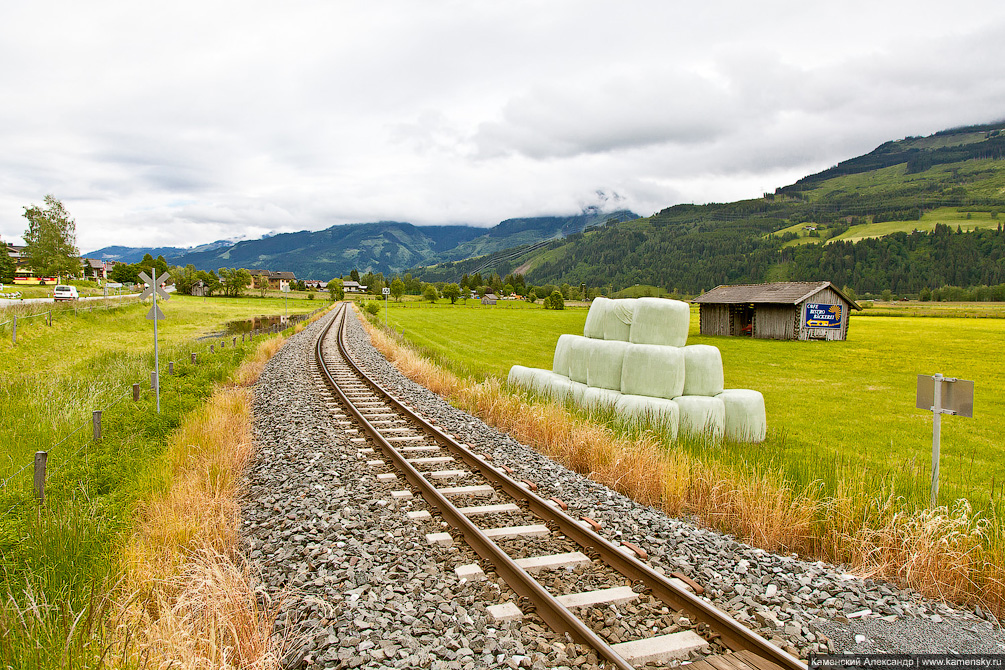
x: 792, y: 310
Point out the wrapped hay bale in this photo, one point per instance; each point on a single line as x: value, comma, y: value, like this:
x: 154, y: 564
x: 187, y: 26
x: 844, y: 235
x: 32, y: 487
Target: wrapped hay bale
x: 560, y: 388
x: 603, y: 367
x: 701, y: 416
x: 541, y: 382
x: 560, y: 363
x: 653, y: 370
x: 618, y: 319
x: 579, y: 358
x: 702, y: 370
x: 745, y: 416
x: 598, y: 397
x: 576, y: 392
x: 594, y: 326
x: 657, y: 412
x: 660, y: 321
x: 520, y: 376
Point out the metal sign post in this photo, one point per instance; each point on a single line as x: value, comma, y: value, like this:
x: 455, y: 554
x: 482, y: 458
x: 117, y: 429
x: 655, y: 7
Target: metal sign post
x: 943, y: 395
x: 284, y: 286
x: 386, y: 291
x: 153, y: 289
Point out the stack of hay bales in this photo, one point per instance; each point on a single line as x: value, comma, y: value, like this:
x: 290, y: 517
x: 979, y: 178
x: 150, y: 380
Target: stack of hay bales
x: 633, y: 356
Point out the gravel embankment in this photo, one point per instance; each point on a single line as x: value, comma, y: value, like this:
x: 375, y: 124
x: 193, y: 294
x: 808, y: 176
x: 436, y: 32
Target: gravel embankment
x: 362, y: 588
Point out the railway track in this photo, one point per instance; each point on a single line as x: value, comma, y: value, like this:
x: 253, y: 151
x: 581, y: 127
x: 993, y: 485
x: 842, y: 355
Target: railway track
x: 546, y: 554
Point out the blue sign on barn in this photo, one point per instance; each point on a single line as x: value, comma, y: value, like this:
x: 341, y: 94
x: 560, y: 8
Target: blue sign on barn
x: 819, y: 315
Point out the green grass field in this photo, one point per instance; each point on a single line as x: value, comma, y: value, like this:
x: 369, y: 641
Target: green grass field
x: 838, y: 412
x: 56, y: 556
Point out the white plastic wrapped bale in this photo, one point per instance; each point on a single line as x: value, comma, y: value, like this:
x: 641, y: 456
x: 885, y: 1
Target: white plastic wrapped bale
x: 594, y: 326
x: 660, y: 321
x: 579, y: 358
x: 542, y: 381
x: 745, y: 416
x: 598, y: 397
x: 603, y: 368
x: 576, y: 392
x: 654, y: 411
x: 618, y: 319
x: 652, y: 370
x: 702, y: 370
x: 701, y: 416
x: 560, y: 387
x: 560, y: 363
x: 520, y: 376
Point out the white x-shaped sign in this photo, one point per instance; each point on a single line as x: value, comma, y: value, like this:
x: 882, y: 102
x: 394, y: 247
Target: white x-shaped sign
x: 154, y: 286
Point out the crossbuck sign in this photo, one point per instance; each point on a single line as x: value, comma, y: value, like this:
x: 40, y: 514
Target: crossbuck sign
x: 154, y: 289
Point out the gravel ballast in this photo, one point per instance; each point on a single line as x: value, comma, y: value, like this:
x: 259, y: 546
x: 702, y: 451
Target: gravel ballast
x: 360, y: 586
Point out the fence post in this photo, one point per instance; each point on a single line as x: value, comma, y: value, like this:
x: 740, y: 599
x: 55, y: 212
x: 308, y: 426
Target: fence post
x: 40, y: 459
x: 153, y: 379
x: 235, y: 340
x: 171, y: 368
x: 96, y: 421
x: 223, y: 344
x: 136, y: 392
x: 242, y: 338
x: 212, y: 350
x: 50, y: 318
x: 193, y: 358
x: 14, y: 331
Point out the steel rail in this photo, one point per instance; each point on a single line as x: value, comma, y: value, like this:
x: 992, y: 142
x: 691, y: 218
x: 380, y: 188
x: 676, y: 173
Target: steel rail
x: 733, y: 634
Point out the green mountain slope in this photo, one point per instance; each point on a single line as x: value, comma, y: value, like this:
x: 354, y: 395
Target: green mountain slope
x: 954, y: 177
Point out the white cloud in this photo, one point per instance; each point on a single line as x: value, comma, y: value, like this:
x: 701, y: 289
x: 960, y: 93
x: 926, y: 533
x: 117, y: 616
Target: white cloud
x: 196, y: 121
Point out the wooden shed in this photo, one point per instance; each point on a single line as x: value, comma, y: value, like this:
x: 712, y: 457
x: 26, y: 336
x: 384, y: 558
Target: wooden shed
x: 778, y: 311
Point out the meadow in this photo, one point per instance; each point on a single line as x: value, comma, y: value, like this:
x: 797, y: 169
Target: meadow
x: 840, y: 414
x: 57, y: 558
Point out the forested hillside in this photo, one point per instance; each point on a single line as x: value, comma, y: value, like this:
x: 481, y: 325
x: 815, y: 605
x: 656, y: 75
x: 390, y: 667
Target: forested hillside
x: 927, y: 209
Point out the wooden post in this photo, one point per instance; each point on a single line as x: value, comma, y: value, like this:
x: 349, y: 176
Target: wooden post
x: 193, y: 358
x: 235, y: 340
x: 96, y: 422
x: 50, y: 318
x: 223, y: 343
x: 14, y: 331
x: 212, y: 350
x: 136, y: 392
x: 40, y: 459
x: 242, y: 338
x: 171, y: 368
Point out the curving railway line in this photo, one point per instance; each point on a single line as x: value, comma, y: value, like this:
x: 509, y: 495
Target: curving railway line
x: 558, y: 562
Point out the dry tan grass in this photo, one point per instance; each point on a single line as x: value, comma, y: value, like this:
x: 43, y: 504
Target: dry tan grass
x: 943, y: 553
x: 187, y: 597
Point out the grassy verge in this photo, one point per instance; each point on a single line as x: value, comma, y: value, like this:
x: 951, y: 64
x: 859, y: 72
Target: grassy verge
x: 62, y: 565
x: 795, y: 493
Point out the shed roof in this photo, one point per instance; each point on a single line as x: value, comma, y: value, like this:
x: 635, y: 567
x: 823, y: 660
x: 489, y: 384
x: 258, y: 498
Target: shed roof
x: 784, y: 292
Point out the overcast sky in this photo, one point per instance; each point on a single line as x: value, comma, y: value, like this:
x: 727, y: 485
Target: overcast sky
x: 181, y: 123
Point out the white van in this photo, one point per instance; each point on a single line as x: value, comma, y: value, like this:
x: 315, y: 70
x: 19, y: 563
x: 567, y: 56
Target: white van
x: 62, y: 292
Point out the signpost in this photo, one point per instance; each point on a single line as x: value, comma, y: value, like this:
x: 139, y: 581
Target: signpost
x: 943, y: 395
x: 284, y: 286
x: 386, y: 291
x: 154, y: 289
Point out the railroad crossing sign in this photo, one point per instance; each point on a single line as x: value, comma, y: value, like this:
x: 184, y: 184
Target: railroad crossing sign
x: 385, y: 291
x: 153, y: 286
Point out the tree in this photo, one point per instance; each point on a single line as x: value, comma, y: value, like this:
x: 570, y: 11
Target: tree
x: 354, y: 275
x: 262, y: 284
x: 452, y: 291
x: 234, y: 281
x: 124, y: 273
x: 557, y: 302
x: 51, y: 240
x: 397, y: 289
x: 210, y: 281
x: 184, y: 278
x: 430, y: 293
x: 335, y: 290
x: 508, y: 289
x: 6, y: 264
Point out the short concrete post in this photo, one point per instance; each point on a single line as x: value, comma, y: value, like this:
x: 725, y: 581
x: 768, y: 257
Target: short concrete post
x: 96, y: 424
x: 171, y: 368
x: 223, y: 344
x: 193, y: 358
x: 14, y: 331
x: 136, y: 392
x: 242, y: 338
x: 153, y: 379
x: 234, y: 343
x: 40, y: 460
x: 212, y: 349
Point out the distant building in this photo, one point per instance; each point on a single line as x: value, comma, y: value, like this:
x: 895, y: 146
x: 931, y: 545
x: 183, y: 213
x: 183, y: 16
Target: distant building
x: 275, y: 278
x: 777, y: 311
x: 489, y: 299
x: 96, y: 269
x: 353, y: 287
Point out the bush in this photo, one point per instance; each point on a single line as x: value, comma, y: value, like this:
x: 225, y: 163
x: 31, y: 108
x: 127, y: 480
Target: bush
x: 371, y: 308
x: 557, y: 302
x: 310, y: 296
